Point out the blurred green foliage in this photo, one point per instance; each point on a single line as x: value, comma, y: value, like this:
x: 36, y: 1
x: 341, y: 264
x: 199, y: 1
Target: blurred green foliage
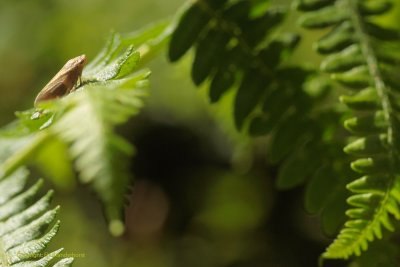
x: 191, y: 206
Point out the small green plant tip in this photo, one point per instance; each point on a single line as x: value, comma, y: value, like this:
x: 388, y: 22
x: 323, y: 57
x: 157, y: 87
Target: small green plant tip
x: 116, y: 228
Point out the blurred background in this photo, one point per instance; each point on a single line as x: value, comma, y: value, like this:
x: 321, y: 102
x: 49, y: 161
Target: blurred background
x: 202, y: 195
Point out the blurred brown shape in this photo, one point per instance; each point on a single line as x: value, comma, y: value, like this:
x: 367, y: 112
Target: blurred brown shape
x: 146, y: 215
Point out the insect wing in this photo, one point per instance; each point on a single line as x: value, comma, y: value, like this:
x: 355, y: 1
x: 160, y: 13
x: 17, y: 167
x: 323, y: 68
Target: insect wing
x: 52, y: 90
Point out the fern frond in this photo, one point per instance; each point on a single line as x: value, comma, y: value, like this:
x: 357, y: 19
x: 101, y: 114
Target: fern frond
x: 355, y: 58
x: 233, y: 49
x: 112, y: 90
x: 101, y: 155
x: 26, y: 224
x: 112, y: 95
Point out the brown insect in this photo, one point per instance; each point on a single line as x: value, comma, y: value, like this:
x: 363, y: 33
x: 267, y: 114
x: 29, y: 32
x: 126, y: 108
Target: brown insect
x: 64, y: 81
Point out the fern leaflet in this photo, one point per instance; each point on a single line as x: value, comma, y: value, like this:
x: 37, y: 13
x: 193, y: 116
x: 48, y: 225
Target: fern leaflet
x: 24, y: 223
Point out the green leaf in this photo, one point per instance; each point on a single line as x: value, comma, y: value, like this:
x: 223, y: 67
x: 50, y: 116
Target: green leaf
x: 188, y: 30
x: 288, y: 136
x: 369, y: 184
x: 333, y: 215
x: 209, y: 47
x: 118, y: 68
x: 346, y: 59
x: 375, y: 7
x: 371, y: 165
x: 367, y: 124
x: 326, y: 193
x: 358, y: 77
x: 374, y: 144
x: 222, y: 81
x: 235, y: 44
x: 366, y: 99
x: 298, y: 167
x: 248, y: 96
x: 24, y: 221
x: 323, y: 17
x: 306, y: 5
x: 256, y: 29
x: 339, y: 38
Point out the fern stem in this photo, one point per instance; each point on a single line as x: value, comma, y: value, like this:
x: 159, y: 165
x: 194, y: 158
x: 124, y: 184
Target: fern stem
x: 372, y: 63
x: 20, y: 157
